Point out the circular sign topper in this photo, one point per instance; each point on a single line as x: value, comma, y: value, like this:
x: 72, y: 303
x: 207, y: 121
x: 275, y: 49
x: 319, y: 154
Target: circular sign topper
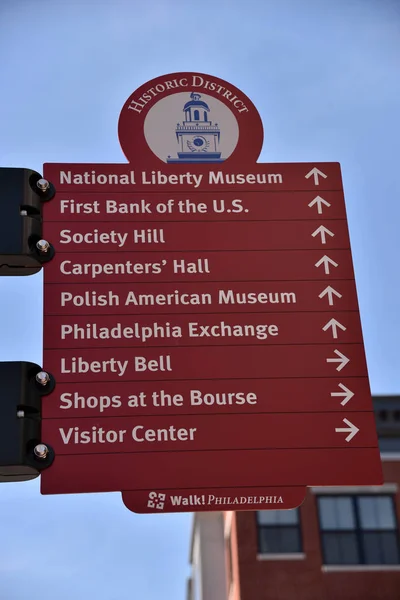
x: 193, y: 118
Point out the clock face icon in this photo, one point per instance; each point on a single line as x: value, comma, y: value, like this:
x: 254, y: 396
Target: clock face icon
x: 199, y: 141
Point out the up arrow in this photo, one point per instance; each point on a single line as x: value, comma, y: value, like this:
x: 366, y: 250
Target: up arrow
x: 330, y: 292
x: 316, y: 173
x: 322, y: 231
x: 325, y: 260
x: 342, y: 360
x: 334, y: 324
x: 352, y: 430
x: 319, y: 202
x: 346, y: 394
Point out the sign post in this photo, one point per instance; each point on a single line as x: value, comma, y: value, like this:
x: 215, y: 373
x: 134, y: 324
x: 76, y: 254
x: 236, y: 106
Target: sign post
x: 201, y: 315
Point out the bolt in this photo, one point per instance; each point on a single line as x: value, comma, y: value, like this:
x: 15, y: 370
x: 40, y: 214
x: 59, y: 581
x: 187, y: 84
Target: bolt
x: 20, y: 414
x: 41, y: 451
x: 43, y: 378
x: 43, y: 184
x: 43, y: 246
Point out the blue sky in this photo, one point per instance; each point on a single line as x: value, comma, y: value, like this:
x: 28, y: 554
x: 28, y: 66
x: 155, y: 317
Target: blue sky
x: 325, y: 77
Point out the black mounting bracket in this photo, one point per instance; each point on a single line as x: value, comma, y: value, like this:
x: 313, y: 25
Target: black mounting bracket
x: 22, y: 192
x: 23, y: 454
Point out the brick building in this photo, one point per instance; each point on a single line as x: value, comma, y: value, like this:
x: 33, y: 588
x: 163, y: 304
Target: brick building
x: 341, y: 544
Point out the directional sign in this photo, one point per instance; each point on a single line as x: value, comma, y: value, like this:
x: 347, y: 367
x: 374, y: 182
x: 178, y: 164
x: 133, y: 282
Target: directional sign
x: 77, y: 400
x: 208, y: 432
x: 214, y: 499
x: 115, y: 331
x: 206, y: 362
x: 239, y: 265
x: 132, y: 206
x: 202, y: 297
x: 259, y: 235
x: 201, y: 316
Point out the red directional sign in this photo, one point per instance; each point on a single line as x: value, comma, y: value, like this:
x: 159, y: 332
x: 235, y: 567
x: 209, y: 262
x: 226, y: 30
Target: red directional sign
x: 115, y: 331
x: 259, y: 235
x: 132, y: 206
x: 203, y: 432
x: 200, y: 297
x: 145, y: 398
x: 206, y: 362
x: 148, y: 501
x: 201, y: 316
x: 239, y: 265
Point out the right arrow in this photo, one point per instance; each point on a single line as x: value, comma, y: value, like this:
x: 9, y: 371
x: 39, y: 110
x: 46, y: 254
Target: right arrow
x: 319, y: 202
x: 346, y: 394
x: 352, y: 430
x: 316, y: 173
x: 342, y: 360
x: 330, y: 292
x: 325, y: 260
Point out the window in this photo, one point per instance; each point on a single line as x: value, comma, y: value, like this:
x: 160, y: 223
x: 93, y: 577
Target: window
x: 389, y: 444
x: 279, y: 531
x: 358, y: 530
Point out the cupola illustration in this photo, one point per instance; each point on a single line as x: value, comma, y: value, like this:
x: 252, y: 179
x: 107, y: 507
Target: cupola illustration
x: 198, y: 138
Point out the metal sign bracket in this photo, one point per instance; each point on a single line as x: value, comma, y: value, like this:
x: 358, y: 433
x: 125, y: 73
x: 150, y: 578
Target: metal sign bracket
x: 22, y: 250
x: 22, y: 452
